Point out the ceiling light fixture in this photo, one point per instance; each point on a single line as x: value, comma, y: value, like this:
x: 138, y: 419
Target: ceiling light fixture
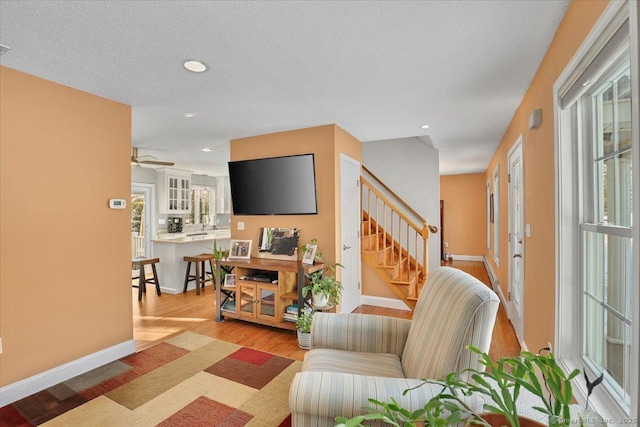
x: 206, y: 149
x: 4, y: 49
x: 194, y: 66
x: 424, y: 127
x: 189, y: 115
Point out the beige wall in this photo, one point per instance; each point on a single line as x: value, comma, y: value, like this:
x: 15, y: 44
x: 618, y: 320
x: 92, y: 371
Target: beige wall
x: 65, y: 256
x: 465, y: 213
x: 539, y: 187
x: 326, y: 143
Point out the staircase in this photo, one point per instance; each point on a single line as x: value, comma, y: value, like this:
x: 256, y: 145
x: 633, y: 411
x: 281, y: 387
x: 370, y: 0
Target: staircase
x: 394, y: 239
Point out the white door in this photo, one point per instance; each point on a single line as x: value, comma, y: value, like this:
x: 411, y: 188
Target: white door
x: 349, y: 232
x: 516, y: 239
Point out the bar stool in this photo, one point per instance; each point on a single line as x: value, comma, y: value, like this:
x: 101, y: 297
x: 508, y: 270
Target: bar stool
x: 199, y: 277
x: 140, y: 262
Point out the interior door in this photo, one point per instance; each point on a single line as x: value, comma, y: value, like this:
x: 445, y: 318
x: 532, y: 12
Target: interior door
x: 350, y: 232
x: 516, y: 239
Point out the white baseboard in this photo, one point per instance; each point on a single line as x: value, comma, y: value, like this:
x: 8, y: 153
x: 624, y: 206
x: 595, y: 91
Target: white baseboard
x: 383, y: 302
x: 495, y: 285
x: 467, y: 257
x: 43, y: 380
x: 498, y: 290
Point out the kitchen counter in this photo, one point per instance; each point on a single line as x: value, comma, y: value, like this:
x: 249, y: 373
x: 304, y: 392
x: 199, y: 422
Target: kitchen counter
x: 193, y: 236
x: 172, y: 248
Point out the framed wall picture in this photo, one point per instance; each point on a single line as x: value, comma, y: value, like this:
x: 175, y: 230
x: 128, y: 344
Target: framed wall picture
x: 310, y: 254
x: 240, y: 249
x: 230, y: 280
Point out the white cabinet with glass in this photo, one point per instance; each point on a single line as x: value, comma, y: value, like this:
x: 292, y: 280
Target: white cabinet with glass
x: 174, y: 191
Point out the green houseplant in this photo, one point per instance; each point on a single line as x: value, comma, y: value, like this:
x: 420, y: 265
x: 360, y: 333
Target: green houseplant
x: 500, y: 385
x: 324, y: 287
x: 303, y: 325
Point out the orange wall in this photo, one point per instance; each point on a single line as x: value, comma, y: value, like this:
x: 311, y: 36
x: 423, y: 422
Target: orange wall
x: 539, y: 187
x: 465, y: 213
x: 64, y: 255
x: 326, y: 143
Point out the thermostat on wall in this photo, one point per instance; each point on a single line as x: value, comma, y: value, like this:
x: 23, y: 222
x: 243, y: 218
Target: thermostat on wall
x: 117, y: 203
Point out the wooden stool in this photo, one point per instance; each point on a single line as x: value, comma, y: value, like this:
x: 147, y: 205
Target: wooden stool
x: 199, y: 277
x: 142, y: 280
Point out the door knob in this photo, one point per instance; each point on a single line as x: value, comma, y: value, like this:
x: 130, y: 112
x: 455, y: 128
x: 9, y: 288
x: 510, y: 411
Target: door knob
x: 345, y: 247
x: 517, y: 256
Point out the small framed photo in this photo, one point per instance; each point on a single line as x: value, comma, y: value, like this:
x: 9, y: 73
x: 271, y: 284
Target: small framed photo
x: 230, y: 280
x: 310, y: 254
x: 240, y: 249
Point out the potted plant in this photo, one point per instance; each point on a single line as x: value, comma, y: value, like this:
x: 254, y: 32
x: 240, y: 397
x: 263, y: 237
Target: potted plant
x: 303, y: 325
x: 324, y: 287
x: 500, y: 385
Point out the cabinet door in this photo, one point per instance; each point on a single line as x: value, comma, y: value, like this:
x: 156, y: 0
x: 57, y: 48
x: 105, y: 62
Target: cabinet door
x: 247, y: 302
x: 185, y: 194
x: 267, y: 297
x: 172, y: 193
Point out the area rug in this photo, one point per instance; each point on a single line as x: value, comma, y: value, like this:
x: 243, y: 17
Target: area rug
x: 189, y: 380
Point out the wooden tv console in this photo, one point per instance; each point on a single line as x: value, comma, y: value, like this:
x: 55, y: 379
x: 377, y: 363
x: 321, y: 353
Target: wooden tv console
x: 264, y: 289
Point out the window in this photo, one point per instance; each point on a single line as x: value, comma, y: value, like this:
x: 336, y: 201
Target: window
x: 202, y: 205
x: 597, y: 283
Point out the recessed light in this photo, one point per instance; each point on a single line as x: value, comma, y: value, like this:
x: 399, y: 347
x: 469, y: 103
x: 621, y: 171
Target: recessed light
x: 424, y: 127
x: 586, y: 83
x: 206, y: 149
x: 4, y: 49
x: 189, y: 115
x: 194, y: 66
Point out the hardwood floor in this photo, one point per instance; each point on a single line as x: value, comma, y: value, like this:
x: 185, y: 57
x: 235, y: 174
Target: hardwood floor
x: 158, y: 318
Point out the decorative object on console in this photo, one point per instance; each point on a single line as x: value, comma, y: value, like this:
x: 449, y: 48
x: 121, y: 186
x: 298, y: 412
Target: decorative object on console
x: 230, y: 280
x: 240, y: 249
x: 309, y: 254
x: 278, y: 243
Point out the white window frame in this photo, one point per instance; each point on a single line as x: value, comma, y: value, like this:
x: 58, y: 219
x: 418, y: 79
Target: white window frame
x: 568, y: 343
x: 488, y: 215
x: 496, y: 215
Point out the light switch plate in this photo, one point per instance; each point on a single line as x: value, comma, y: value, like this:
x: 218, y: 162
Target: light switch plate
x: 240, y: 225
x: 162, y: 221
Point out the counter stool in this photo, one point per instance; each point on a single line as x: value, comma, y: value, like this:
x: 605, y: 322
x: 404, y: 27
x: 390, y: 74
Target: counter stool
x: 199, y: 277
x: 140, y: 262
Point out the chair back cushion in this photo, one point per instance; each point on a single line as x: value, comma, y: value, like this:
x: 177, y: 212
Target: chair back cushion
x: 454, y: 310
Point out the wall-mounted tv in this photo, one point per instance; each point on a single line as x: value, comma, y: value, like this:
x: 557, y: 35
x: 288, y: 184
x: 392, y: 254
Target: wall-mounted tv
x: 274, y: 186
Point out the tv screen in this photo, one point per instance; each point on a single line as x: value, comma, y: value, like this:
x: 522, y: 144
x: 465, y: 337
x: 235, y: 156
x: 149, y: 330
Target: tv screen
x: 274, y: 186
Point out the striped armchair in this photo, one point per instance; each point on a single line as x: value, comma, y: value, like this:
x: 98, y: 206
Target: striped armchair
x: 357, y: 356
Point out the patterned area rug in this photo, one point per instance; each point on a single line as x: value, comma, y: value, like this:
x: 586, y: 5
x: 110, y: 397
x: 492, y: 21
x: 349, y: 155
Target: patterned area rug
x: 189, y: 380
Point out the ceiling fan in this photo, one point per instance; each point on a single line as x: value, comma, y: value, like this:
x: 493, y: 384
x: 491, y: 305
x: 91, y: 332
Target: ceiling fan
x: 139, y: 161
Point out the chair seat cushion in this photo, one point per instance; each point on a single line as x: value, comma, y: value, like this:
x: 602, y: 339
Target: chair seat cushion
x: 351, y: 362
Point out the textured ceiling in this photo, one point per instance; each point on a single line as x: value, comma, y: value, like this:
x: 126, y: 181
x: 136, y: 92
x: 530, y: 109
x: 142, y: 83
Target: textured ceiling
x: 377, y: 69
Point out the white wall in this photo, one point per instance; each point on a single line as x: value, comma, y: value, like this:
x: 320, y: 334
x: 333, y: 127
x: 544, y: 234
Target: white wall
x: 410, y: 167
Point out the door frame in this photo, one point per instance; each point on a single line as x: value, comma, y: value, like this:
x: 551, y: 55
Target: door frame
x: 344, y: 159
x: 516, y: 316
x: 149, y: 191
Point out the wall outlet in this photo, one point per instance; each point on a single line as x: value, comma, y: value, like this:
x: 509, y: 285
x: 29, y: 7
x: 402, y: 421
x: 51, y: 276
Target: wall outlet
x: 240, y: 225
x: 446, y: 244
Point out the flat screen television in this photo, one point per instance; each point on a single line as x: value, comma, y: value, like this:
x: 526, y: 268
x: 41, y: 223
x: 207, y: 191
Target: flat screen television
x: 274, y: 186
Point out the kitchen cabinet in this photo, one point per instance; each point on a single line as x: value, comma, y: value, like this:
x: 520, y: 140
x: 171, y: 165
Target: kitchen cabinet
x: 174, y: 191
x: 223, y: 195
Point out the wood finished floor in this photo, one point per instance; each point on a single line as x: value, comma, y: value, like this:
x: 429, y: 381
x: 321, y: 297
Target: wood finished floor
x: 156, y: 319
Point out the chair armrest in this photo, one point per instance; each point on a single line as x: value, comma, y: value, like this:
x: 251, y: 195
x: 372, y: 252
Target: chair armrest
x: 359, y: 332
x: 316, y: 398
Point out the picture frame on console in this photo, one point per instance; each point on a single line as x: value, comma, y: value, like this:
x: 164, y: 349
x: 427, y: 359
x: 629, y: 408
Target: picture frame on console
x: 240, y: 249
x: 310, y: 254
x: 230, y: 280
